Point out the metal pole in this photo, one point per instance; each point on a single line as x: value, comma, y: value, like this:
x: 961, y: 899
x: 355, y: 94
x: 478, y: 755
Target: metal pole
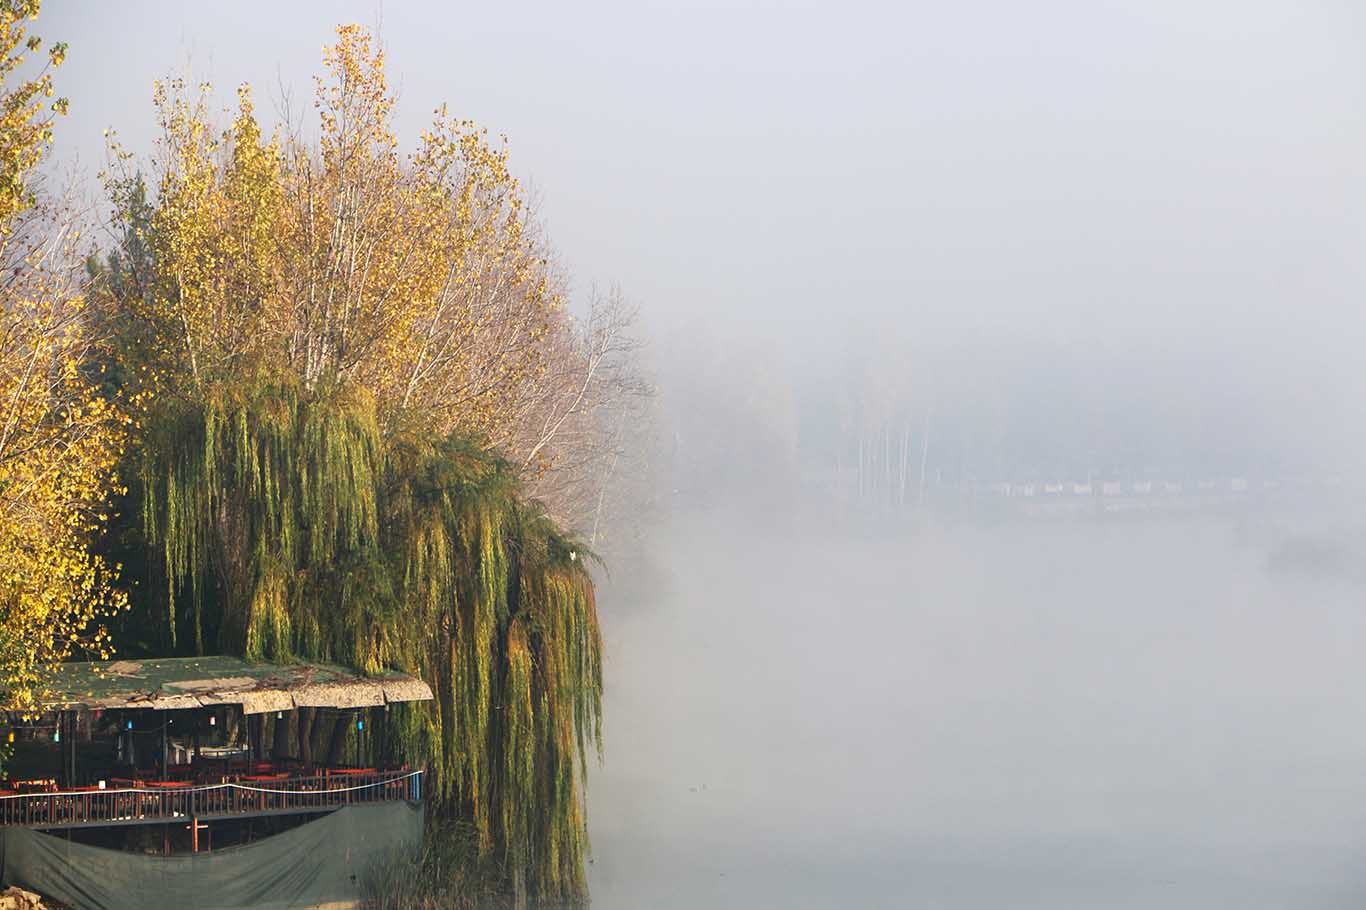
x: 72, y: 782
x: 165, y: 748
x: 61, y: 750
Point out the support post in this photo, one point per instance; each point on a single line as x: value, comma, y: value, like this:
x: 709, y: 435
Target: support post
x: 195, y: 828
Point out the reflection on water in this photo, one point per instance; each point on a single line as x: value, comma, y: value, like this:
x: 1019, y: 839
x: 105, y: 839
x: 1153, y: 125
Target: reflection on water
x: 1080, y: 714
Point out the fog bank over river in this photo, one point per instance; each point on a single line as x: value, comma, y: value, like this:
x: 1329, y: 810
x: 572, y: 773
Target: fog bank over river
x: 1121, y: 713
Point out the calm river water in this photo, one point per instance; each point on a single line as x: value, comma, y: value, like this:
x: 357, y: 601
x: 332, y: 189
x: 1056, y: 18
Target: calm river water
x: 1080, y: 714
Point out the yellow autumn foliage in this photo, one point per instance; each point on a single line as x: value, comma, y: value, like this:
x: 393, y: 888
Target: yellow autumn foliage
x: 342, y: 260
x: 25, y: 111
x: 333, y: 258
x: 59, y: 435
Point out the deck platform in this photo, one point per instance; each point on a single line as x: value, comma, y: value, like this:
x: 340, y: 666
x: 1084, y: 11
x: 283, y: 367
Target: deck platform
x: 153, y: 804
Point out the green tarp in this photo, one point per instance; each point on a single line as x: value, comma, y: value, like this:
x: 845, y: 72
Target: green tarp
x: 318, y: 864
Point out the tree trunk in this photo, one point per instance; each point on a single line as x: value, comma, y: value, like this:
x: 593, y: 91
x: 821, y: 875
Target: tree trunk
x: 925, y: 452
x: 905, y: 461
x: 307, y: 718
x: 859, y: 473
x: 281, y: 750
x: 336, y: 745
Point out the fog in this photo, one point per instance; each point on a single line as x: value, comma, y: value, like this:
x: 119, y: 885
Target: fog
x: 998, y: 543
x: 1159, y: 201
x: 1059, y: 714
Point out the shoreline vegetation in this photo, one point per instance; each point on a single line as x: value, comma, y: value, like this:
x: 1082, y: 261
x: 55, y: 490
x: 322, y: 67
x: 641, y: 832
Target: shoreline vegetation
x: 319, y: 399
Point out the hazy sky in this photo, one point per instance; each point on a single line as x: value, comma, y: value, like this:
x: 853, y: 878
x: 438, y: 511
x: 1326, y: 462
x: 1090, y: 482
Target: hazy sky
x: 1151, y: 180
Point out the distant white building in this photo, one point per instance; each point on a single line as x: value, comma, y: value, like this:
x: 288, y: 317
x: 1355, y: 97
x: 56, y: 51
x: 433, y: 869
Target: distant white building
x: 1110, y: 488
x: 1238, y: 484
x: 1143, y: 487
x: 1082, y: 489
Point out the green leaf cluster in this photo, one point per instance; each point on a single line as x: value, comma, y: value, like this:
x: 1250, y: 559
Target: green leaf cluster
x: 286, y: 525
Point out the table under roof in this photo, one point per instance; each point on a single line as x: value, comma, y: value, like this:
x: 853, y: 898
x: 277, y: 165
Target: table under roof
x: 176, y: 683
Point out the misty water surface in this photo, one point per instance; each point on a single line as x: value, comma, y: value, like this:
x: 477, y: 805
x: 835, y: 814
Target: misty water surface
x: 1060, y: 714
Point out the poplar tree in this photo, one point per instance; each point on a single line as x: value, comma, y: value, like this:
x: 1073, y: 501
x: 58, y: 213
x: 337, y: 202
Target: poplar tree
x: 334, y: 331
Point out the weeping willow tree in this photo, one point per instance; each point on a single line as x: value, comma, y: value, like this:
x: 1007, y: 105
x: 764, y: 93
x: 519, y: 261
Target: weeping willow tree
x: 291, y: 527
x: 322, y: 330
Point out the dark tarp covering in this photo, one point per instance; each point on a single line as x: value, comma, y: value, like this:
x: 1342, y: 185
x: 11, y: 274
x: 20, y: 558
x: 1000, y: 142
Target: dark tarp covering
x: 320, y: 863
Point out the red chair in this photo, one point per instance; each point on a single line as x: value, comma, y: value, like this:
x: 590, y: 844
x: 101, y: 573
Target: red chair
x: 45, y: 785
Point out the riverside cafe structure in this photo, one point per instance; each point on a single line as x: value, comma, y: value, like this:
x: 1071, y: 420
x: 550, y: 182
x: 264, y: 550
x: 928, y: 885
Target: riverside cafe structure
x: 185, y: 782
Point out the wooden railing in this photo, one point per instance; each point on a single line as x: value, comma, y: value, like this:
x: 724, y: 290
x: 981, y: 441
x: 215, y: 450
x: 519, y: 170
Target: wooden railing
x: 317, y: 793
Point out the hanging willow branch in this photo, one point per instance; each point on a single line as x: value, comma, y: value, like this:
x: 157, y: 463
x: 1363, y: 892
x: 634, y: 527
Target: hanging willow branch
x: 292, y: 527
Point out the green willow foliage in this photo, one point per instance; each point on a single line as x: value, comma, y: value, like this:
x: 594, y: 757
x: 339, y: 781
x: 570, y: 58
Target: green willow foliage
x: 288, y: 525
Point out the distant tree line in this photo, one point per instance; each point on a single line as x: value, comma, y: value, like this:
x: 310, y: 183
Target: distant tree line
x: 881, y: 424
